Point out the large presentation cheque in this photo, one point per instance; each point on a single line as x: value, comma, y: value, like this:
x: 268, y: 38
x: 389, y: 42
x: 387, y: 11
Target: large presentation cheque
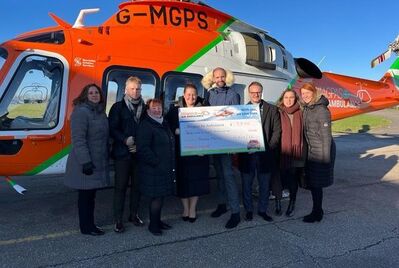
x: 220, y: 129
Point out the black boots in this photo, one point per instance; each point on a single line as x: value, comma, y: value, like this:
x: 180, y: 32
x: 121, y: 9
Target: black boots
x: 221, y: 209
x: 278, y: 207
x: 249, y: 216
x: 317, y: 211
x: 233, y: 221
x: 154, y: 229
x: 316, y: 215
x: 265, y: 216
x: 290, y: 208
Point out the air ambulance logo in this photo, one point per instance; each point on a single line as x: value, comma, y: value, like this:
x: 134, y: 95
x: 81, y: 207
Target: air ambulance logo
x: 84, y: 62
x: 78, y: 61
x: 364, y: 95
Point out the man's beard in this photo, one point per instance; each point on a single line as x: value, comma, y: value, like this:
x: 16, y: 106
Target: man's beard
x: 221, y: 84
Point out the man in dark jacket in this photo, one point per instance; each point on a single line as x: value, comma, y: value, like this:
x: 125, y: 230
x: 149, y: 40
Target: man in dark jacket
x: 263, y: 163
x: 221, y: 94
x: 124, y: 118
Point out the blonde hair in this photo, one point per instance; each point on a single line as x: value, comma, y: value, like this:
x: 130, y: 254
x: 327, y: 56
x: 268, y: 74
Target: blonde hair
x: 316, y: 94
x: 134, y: 79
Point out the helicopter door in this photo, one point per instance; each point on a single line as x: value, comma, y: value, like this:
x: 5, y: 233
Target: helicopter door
x: 173, y: 85
x: 115, y: 77
x: 32, y: 111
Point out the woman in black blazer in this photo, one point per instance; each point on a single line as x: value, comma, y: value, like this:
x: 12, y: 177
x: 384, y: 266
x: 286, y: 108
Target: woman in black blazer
x: 192, y: 171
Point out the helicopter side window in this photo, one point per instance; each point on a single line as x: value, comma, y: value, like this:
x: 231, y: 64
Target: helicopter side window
x: 32, y: 98
x: 115, y: 79
x: 3, y: 57
x: 56, y: 37
x: 173, y: 86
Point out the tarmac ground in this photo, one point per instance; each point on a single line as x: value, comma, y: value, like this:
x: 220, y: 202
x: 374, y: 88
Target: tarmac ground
x: 360, y: 227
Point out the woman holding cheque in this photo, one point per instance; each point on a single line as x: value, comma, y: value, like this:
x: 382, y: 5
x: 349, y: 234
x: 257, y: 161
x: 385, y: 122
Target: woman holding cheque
x: 192, y: 171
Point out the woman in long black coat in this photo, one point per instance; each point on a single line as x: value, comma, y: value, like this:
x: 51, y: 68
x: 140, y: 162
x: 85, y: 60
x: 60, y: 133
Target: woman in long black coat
x: 319, y: 168
x: 193, y: 171
x: 156, y: 162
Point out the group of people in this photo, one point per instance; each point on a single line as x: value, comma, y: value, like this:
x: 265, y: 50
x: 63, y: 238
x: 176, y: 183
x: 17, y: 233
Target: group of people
x: 146, y: 152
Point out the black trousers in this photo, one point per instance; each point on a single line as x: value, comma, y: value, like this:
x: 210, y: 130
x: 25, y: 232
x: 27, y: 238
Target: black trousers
x: 317, y: 197
x: 290, y: 178
x: 125, y: 172
x: 156, y: 205
x: 276, y: 185
x: 86, y: 201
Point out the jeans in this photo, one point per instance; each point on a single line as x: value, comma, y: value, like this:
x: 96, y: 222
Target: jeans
x: 227, y: 184
x: 264, y: 178
x: 263, y: 182
x: 125, y: 172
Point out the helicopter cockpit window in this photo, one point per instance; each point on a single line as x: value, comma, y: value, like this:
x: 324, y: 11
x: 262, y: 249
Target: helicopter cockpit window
x: 32, y: 99
x: 56, y: 37
x: 116, y: 80
x: 254, y: 45
x: 173, y: 86
x: 3, y: 57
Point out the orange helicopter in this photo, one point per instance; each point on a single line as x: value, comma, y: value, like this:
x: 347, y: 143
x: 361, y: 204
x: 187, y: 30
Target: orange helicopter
x: 164, y: 42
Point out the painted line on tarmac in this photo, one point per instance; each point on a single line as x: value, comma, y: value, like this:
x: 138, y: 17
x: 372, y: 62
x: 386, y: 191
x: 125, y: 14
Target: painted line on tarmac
x: 36, y: 238
x: 107, y: 228
x: 74, y: 232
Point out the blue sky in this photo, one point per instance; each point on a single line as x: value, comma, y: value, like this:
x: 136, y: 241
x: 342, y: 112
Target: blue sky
x: 349, y: 33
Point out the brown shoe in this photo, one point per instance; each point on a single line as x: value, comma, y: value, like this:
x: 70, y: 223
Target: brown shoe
x: 136, y: 220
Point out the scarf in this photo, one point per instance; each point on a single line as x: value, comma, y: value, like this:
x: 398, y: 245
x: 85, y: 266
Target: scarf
x: 156, y: 119
x: 135, y: 106
x: 291, y: 138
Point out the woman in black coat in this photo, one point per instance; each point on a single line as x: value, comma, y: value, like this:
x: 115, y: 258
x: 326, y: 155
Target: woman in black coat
x: 156, y: 162
x: 193, y: 171
x: 321, y: 147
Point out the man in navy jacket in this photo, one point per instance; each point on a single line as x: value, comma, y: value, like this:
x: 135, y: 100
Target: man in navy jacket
x: 221, y: 94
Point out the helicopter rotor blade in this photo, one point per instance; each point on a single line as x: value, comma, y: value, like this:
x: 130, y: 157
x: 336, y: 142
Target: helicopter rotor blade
x: 384, y: 56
